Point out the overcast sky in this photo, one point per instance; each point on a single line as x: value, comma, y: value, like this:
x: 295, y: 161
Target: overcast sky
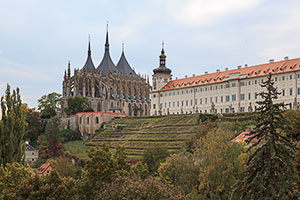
x: 37, y: 38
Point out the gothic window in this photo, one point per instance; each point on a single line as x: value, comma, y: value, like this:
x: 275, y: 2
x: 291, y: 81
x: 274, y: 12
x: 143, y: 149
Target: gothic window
x: 88, y: 120
x: 97, y: 120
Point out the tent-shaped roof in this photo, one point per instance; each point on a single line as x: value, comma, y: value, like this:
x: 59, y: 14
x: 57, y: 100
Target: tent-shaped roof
x: 107, y: 64
x: 89, y: 65
x: 124, y: 67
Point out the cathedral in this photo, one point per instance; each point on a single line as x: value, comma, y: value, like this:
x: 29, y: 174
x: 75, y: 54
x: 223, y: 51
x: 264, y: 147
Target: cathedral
x: 109, y: 87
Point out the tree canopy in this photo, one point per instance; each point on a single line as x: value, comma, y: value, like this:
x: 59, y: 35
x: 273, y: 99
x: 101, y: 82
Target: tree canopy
x: 78, y: 104
x: 270, y: 172
x: 12, y: 128
x: 49, y: 104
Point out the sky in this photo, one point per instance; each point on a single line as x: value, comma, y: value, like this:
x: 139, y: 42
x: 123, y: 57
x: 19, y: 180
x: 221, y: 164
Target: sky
x: 37, y: 38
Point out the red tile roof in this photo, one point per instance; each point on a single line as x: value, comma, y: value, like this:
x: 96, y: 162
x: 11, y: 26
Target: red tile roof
x: 247, y: 72
x: 243, y: 137
x: 44, y: 169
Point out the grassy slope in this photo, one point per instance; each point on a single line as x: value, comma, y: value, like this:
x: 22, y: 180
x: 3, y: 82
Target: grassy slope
x: 140, y: 133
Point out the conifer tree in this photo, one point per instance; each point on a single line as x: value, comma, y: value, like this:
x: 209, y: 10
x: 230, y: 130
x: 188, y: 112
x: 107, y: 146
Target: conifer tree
x: 269, y: 172
x: 12, y: 128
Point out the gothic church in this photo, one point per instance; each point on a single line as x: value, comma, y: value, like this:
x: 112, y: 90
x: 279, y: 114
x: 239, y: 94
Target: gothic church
x: 109, y: 87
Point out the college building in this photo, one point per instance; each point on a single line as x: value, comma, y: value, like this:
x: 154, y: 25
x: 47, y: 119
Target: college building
x: 228, y: 91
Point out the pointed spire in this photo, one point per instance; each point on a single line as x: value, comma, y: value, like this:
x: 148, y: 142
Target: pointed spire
x: 123, y: 46
x: 69, y: 69
x: 89, y: 48
x: 162, y: 57
x: 106, y: 42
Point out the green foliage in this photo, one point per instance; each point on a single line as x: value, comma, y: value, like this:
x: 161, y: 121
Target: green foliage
x: 68, y: 135
x: 49, y: 187
x: 49, y: 104
x: 11, y: 175
x: 206, y: 117
x: 12, y: 128
x: 64, y: 167
x: 43, y: 147
x: 34, y: 125
x: 180, y: 170
x: 78, y: 104
x: 154, y: 156
x: 270, y: 172
x: 293, y: 118
x: 101, y: 167
x: 140, y: 170
x: 221, y: 163
x: 135, y: 188
x: 52, y: 134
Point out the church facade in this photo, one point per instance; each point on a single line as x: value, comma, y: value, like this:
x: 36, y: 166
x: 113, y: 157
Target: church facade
x: 226, y: 91
x: 109, y: 87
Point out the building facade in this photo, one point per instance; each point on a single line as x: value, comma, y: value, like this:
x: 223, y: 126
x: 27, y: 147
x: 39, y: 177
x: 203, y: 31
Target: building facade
x: 226, y: 91
x: 108, y: 87
x: 31, y: 154
x: 88, y: 122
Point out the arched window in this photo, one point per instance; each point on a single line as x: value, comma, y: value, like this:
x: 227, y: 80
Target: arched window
x: 97, y: 120
x: 88, y: 120
x: 80, y: 120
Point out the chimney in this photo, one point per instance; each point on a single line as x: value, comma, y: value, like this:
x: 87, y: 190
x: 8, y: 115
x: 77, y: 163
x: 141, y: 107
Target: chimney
x: 206, y: 73
x: 286, y: 58
x: 218, y: 70
x: 271, y: 60
x: 239, y: 67
x: 27, y: 142
x: 193, y: 74
x: 246, y: 65
x: 176, y: 78
x: 226, y: 69
x: 185, y: 76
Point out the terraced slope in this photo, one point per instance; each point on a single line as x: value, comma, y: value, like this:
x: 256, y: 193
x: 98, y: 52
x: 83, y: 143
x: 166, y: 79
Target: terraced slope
x: 137, y: 134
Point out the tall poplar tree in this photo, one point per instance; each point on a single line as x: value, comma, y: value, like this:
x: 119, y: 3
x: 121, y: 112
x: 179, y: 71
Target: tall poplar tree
x: 12, y: 128
x: 269, y: 172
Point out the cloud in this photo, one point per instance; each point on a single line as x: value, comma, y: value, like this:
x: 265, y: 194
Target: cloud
x: 202, y: 12
x: 13, y: 69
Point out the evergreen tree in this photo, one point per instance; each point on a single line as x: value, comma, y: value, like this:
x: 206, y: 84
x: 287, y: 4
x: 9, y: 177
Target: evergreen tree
x: 12, y: 128
x: 269, y: 173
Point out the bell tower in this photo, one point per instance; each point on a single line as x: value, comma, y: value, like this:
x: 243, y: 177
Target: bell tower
x: 162, y: 75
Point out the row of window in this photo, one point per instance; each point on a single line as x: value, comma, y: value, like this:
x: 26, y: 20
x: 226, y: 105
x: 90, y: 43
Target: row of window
x: 227, y: 85
x: 88, y: 120
x: 216, y: 99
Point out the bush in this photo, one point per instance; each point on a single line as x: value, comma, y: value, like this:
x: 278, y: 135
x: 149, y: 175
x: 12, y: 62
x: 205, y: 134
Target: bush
x: 69, y: 135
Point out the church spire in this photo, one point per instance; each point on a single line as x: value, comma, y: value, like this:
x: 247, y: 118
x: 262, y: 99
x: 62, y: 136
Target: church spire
x: 106, y: 42
x: 162, y: 63
x: 89, y: 48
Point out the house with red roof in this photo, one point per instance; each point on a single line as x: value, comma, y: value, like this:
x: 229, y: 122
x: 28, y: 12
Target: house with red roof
x: 44, y: 169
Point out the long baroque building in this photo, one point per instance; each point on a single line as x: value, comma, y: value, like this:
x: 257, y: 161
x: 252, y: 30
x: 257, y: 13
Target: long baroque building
x: 109, y: 87
x: 226, y: 91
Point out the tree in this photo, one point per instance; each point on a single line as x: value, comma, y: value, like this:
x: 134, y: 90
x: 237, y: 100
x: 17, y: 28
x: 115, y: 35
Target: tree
x: 52, y: 134
x: 69, y: 135
x: 133, y: 188
x: 270, y: 172
x: 43, y: 147
x: 154, y: 156
x: 64, y: 167
x: 12, y: 128
x: 221, y: 163
x: 78, y: 104
x: 180, y: 170
x: 11, y: 175
x: 49, y: 104
x: 33, y: 125
x: 101, y: 167
x: 293, y: 118
x: 50, y: 187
